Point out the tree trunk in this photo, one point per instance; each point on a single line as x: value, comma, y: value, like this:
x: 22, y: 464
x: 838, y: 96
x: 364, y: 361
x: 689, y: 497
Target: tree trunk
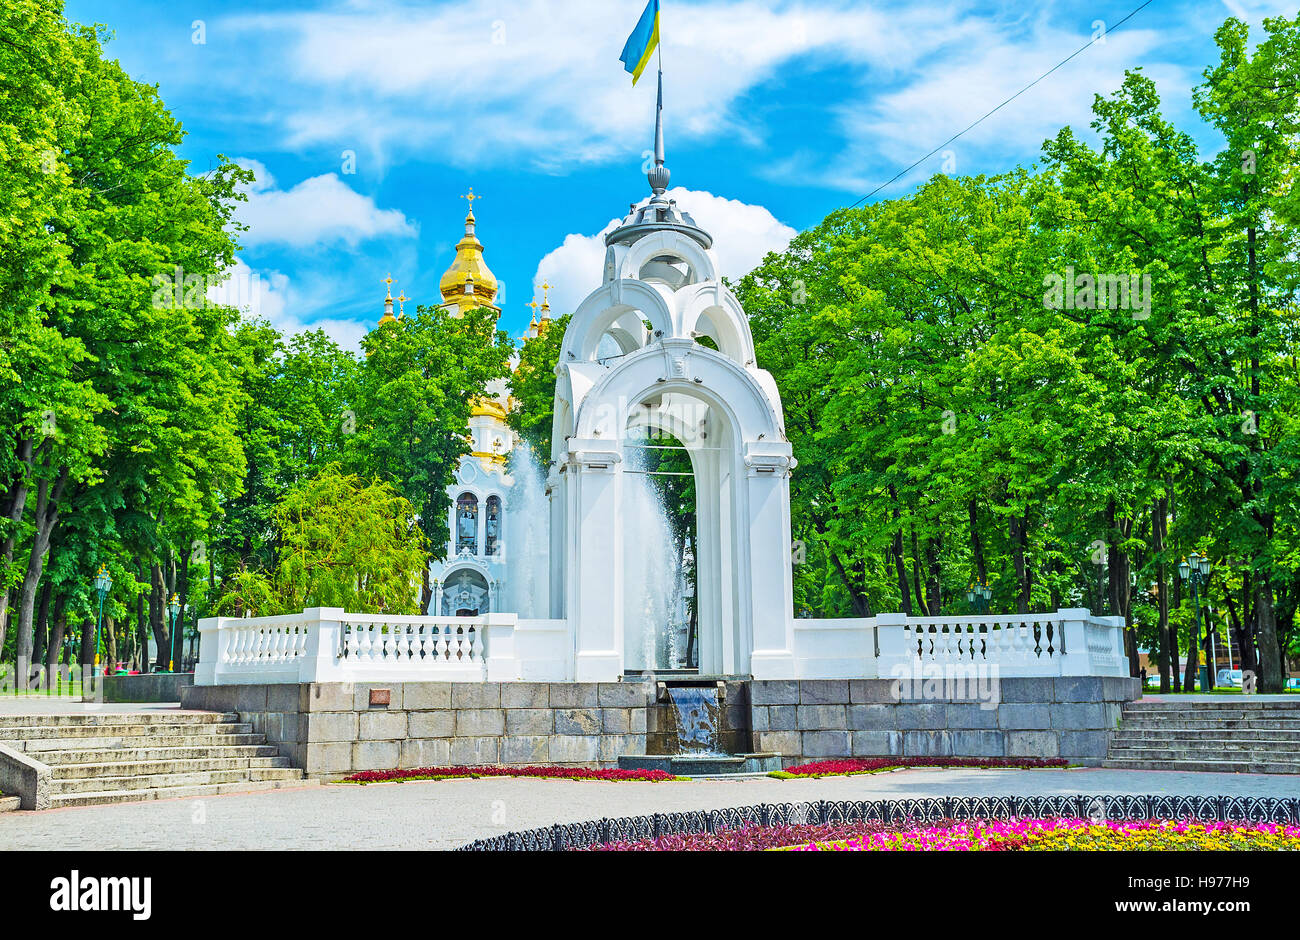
x: 1270, y: 654
x: 1016, y: 531
x: 1158, y: 521
x: 44, y: 517
x: 976, y: 543
x: 900, y: 567
x: 15, y: 501
x: 157, y: 602
x: 933, y: 550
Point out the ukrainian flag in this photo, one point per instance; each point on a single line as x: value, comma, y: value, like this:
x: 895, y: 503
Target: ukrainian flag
x: 642, y: 42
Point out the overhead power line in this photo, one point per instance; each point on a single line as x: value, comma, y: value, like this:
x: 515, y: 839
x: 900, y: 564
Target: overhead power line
x: 993, y: 111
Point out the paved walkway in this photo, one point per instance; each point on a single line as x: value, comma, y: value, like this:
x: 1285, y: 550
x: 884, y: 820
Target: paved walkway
x: 55, y: 705
x: 450, y: 813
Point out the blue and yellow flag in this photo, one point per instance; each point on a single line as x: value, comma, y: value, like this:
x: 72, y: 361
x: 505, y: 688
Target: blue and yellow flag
x: 642, y: 42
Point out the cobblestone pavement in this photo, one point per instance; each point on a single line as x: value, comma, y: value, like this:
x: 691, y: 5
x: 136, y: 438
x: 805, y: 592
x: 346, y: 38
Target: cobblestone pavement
x: 450, y: 813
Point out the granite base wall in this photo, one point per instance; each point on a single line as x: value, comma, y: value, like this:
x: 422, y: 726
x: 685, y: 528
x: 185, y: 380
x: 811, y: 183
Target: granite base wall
x: 330, y: 729
x: 820, y: 719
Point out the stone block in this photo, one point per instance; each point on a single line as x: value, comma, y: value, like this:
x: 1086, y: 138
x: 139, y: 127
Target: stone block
x: 426, y: 752
x: 823, y: 744
x: 282, y: 698
x: 1079, y: 689
x: 780, y: 742
x: 361, y: 696
x: 577, y: 721
x: 782, y: 718
x: 927, y: 744
x: 526, y: 749
x: 1028, y: 689
x: 329, y: 758
x: 931, y: 716
x: 873, y: 717
x: 877, y: 743
x: 471, y: 751
x: 431, y: 724
x: 977, y: 743
x: 614, y: 746
x: 824, y: 692
x: 326, y: 697
x: 529, y: 721
x: 381, y: 725
x: 1084, y: 745
x: 775, y: 692
x: 822, y: 717
x: 426, y: 696
x: 331, y: 726
x: 574, y: 749
x: 251, y: 698
x: 476, y: 695
x: 758, y: 718
x: 574, y: 695
x: 1121, y: 688
x: 525, y: 695
x: 616, y: 720
x: 873, y: 691
x: 971, y: 716
x: 1079, y: 716
x: 480, y: 722
x: 1024, y: 717
x: 639, y: 720
x: 620, y: 694
x: 1032, y: 744
x: 375, y: 755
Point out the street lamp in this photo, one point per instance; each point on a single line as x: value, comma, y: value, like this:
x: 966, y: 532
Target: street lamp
x: 977, y: 595
x: 103, y: 584
x: 173, y: 607
x: 1195, y: 570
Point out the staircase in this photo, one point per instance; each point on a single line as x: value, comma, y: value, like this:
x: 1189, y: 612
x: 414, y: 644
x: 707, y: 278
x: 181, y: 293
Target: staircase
x: 129, y: 756
x: 1237, y: 735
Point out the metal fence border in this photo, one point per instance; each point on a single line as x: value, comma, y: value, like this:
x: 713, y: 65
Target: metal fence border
x: 563, y: 836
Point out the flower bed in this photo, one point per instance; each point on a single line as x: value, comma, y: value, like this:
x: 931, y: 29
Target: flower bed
x: 463, y: 773
x: 749, y: 839
x: 871, y: 765
x: 1069, y: 834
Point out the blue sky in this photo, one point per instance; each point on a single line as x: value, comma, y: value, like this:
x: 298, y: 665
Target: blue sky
x: 367, y: 120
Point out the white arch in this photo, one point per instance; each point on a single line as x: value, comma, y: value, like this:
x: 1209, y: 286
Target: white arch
x: 608, y: 304
x: 646, y: 249
x: 675, y: 367
x: 724, y: 313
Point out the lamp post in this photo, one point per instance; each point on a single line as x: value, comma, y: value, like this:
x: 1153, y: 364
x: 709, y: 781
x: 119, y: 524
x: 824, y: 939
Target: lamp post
x: 977, y: 595
x: 103, y: 584
x: 1195, y: 570
x: 173, y: 608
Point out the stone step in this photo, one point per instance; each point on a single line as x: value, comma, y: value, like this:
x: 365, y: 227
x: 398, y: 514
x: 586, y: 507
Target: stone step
x: 91, y: 798
x: 1208, y: 723
x: 1244, y: 701
x: 1206, y: 766
x: 146, y: 768
x: 1236, y: 714
x: 116, y: 718
x: 133, y: 754
x: 71, y: 732
x: 1165, y: 752
x: 167, y: 780
x: 242, y: 737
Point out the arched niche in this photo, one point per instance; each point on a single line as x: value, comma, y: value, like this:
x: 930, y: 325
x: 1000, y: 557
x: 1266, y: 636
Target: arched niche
x: 694, y: 263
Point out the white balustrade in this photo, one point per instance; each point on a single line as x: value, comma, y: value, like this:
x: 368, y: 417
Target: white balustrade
x: 325, y: 644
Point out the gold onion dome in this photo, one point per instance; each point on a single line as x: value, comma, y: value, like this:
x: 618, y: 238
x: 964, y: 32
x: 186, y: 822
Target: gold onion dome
x: 469, y: 283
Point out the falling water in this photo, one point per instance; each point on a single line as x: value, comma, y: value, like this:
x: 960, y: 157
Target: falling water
x: 653, y: 608
x: 527, y: 538
x: 697, y: 712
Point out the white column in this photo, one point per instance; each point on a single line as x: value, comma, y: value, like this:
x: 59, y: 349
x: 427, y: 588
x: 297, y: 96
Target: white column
x: 502, y: 661
x: 205, y: 673
x: 768, y: 581
x: 595, y: 586
x: 480, y: 544
x: 323, y: 628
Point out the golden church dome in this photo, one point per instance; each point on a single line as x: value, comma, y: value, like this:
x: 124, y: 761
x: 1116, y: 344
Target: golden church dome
x: 469, y: 283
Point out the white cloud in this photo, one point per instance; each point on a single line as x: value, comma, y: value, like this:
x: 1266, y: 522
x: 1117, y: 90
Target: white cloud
x: 319, y: 210
x: 742, y: 235
x: 543, y: 80
x: 270, y: 296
